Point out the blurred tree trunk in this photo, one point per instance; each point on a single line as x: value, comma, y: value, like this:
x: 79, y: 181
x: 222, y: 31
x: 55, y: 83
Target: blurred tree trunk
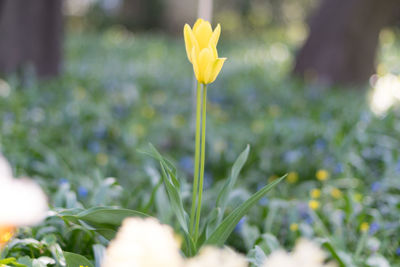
x: 343, y: 40
x: 169, y: 15
x: 31, y: 33
x: 142, y: 14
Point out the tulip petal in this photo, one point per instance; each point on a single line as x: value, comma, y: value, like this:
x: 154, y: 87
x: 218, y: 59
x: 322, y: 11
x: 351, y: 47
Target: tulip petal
x: 205, y: 59
x: 215, y: 35
x: 207, y: 74
x: 203, y: 34
x: 190, y: 40
x: 217, y: 66
x: 195, y: 64
x: 197, y: 23
x: 214, y: 51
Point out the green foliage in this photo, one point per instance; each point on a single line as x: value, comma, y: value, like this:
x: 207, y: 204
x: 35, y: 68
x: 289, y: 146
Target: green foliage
x: 221, y: 234
x: 75, y: 260
x: 78, y: 137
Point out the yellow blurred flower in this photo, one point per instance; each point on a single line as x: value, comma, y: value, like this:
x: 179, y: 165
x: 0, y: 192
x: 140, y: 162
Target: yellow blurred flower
x: 322, y: 175
x: 257, y: 126
x: 79, y: 93
x: 313, y: 204
x: 315, y: 193
x: 336, y: 193
x: 139, y: 130
x: 358, y: 197
x: 178, y: 121
x: 148, y: 112
x: 294, y: 227
x: 292, y: 177
x: 201, y: 48
x: 274, y: 110
x: 364, y: 227
x: 6, y: 233
x: 219, y: 146
x: 102, y: 159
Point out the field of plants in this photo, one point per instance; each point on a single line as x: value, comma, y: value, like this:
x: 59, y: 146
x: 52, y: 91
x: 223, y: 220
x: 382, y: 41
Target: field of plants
x: 84, y: 137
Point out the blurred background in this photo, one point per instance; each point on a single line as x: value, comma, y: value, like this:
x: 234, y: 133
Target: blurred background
x: 334, y: 42
x: 312, y: 85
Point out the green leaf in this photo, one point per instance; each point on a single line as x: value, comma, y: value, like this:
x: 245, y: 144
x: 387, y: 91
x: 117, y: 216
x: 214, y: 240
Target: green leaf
x: 99, y: 252
x: 231, y: 181
x: 101, y: 215
x: 333, y: 252
x: 217, y: 214
x: 11, y: 261
x: 256, y: 256
x: 221, y: 234
x: 103, y: 220
x: 172, y: 187
x: 76, y: 260
x: 269, y: 242
x: 108, y: 215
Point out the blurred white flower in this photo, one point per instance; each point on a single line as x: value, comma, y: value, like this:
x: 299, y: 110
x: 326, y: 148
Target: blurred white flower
x: 143, y: 243
x: 386, y: 93
x: 216, y: 257
x: 22, y: 202
x: 280, y: 258
x: 5, y: 170
x: 305, y: 254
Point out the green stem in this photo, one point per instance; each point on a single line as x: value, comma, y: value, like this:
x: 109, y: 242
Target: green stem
x: 202, y: 154
x: 196, y: 159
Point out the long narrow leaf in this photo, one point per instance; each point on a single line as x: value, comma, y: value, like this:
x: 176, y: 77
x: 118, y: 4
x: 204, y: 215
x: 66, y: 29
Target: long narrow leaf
x: 217, y: 214
x: 221, y: 234
x: 172, y: 186
x: 230, y: 182
x: 333, y: 252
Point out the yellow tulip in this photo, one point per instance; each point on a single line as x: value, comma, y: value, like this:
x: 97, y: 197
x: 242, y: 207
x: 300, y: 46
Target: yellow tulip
x: 201, y: 48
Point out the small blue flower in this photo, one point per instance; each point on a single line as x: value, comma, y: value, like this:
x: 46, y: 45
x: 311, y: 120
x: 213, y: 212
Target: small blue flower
x: 260, y: 186
x: 82, y: 192
x: 100, y: 131
x: 398, y: 166
x: 186, y: 164
x: 376, y: 186
x: 208, y: 180
x: 373, y: 228
x: 303, y: 211
x: 398, y: 251
x: 292, y: 156
x: 120, y: 111
x: 309, y: 220
x: 94, y: 147
x: 338, y: 168
x: 63, y: 181
x: 240, y: 224
x: 263, y: 201
x: 320, y: 144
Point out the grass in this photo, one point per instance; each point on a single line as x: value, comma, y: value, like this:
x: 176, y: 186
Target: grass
x: 120, y: 91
